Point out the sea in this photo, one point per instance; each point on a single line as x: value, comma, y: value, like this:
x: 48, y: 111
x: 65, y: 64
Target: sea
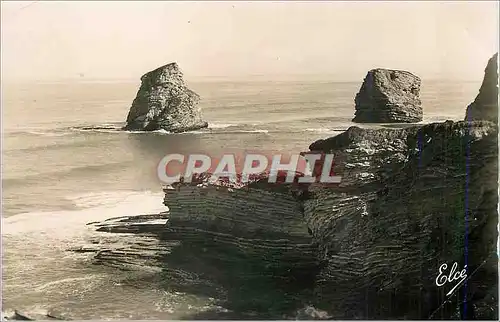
x: 66, y: 162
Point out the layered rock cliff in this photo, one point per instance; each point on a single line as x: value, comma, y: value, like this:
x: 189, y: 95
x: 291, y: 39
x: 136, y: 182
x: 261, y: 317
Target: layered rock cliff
x: 485, y: 106
x: 164, y: 102
x: 389, y: 96
x: 411, y: 199
x: 250, y: 242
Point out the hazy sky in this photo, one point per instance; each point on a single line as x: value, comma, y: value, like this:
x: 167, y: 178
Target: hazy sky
x: 54, y: 40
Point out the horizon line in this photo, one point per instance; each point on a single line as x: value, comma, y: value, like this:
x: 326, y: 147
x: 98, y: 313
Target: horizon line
x: 188, y: 78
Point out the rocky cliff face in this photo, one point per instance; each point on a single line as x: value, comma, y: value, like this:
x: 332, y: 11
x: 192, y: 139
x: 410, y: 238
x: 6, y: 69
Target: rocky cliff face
x: 410, y: 201
x: 485, y: 106
x: 389, y: 96
x: 164, y: 102
x: 370, y: 248
x: 250, y: 242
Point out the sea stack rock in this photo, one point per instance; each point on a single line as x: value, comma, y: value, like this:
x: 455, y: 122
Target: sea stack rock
x: 164, y: 102
x: 389, y: 96
x: 485, y: 106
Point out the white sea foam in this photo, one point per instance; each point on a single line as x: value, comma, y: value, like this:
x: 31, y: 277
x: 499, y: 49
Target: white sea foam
x: 160, y: 131
x: 37, y: 243
x: 119, y: 131
x: 192, y: 132
x: 37, y: 132
x: 50, y: 134
x: 68, y: 280
x: 62, y: 225
x: 220, y: 125
x: 223, y: 131
x: 254, y: 131
x: 322, y: 130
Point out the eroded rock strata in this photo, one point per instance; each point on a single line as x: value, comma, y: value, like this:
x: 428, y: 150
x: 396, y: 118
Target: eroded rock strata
x: 410, y: 200
x: 252, y: 242
x: 165, y: 102
x: 389, y: 96
x: 404, y: 208
x: 485, y: 106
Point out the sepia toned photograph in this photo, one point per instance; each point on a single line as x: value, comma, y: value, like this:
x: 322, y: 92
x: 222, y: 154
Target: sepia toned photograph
x: 237, y: 160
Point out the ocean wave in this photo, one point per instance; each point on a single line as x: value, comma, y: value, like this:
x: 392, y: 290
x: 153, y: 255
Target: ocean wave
x: 213, y: 129
x: 258, y: 131
x: 51, y: 134
x: 40, y: 132
x: 221, y: 131
x: 160, y: 131
x: 218, y: 129
x: 69, y: 280
x: 441, y: 118
x: 115, y: 129
x: 62, y: 225
x: 254, y: 131
x: 39, y: 241
x: 191, y: 132
x: 220, y: 125
x: 323, y: 130
x: 78, y: 171
x: 104, y: 199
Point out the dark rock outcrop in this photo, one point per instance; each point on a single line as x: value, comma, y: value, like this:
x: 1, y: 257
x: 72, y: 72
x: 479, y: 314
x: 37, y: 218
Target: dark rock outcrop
x: 485, y: 106
x: 410, y: 201
x: 32, y: 316
x: 389, y: 96
x: 164, y: 102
